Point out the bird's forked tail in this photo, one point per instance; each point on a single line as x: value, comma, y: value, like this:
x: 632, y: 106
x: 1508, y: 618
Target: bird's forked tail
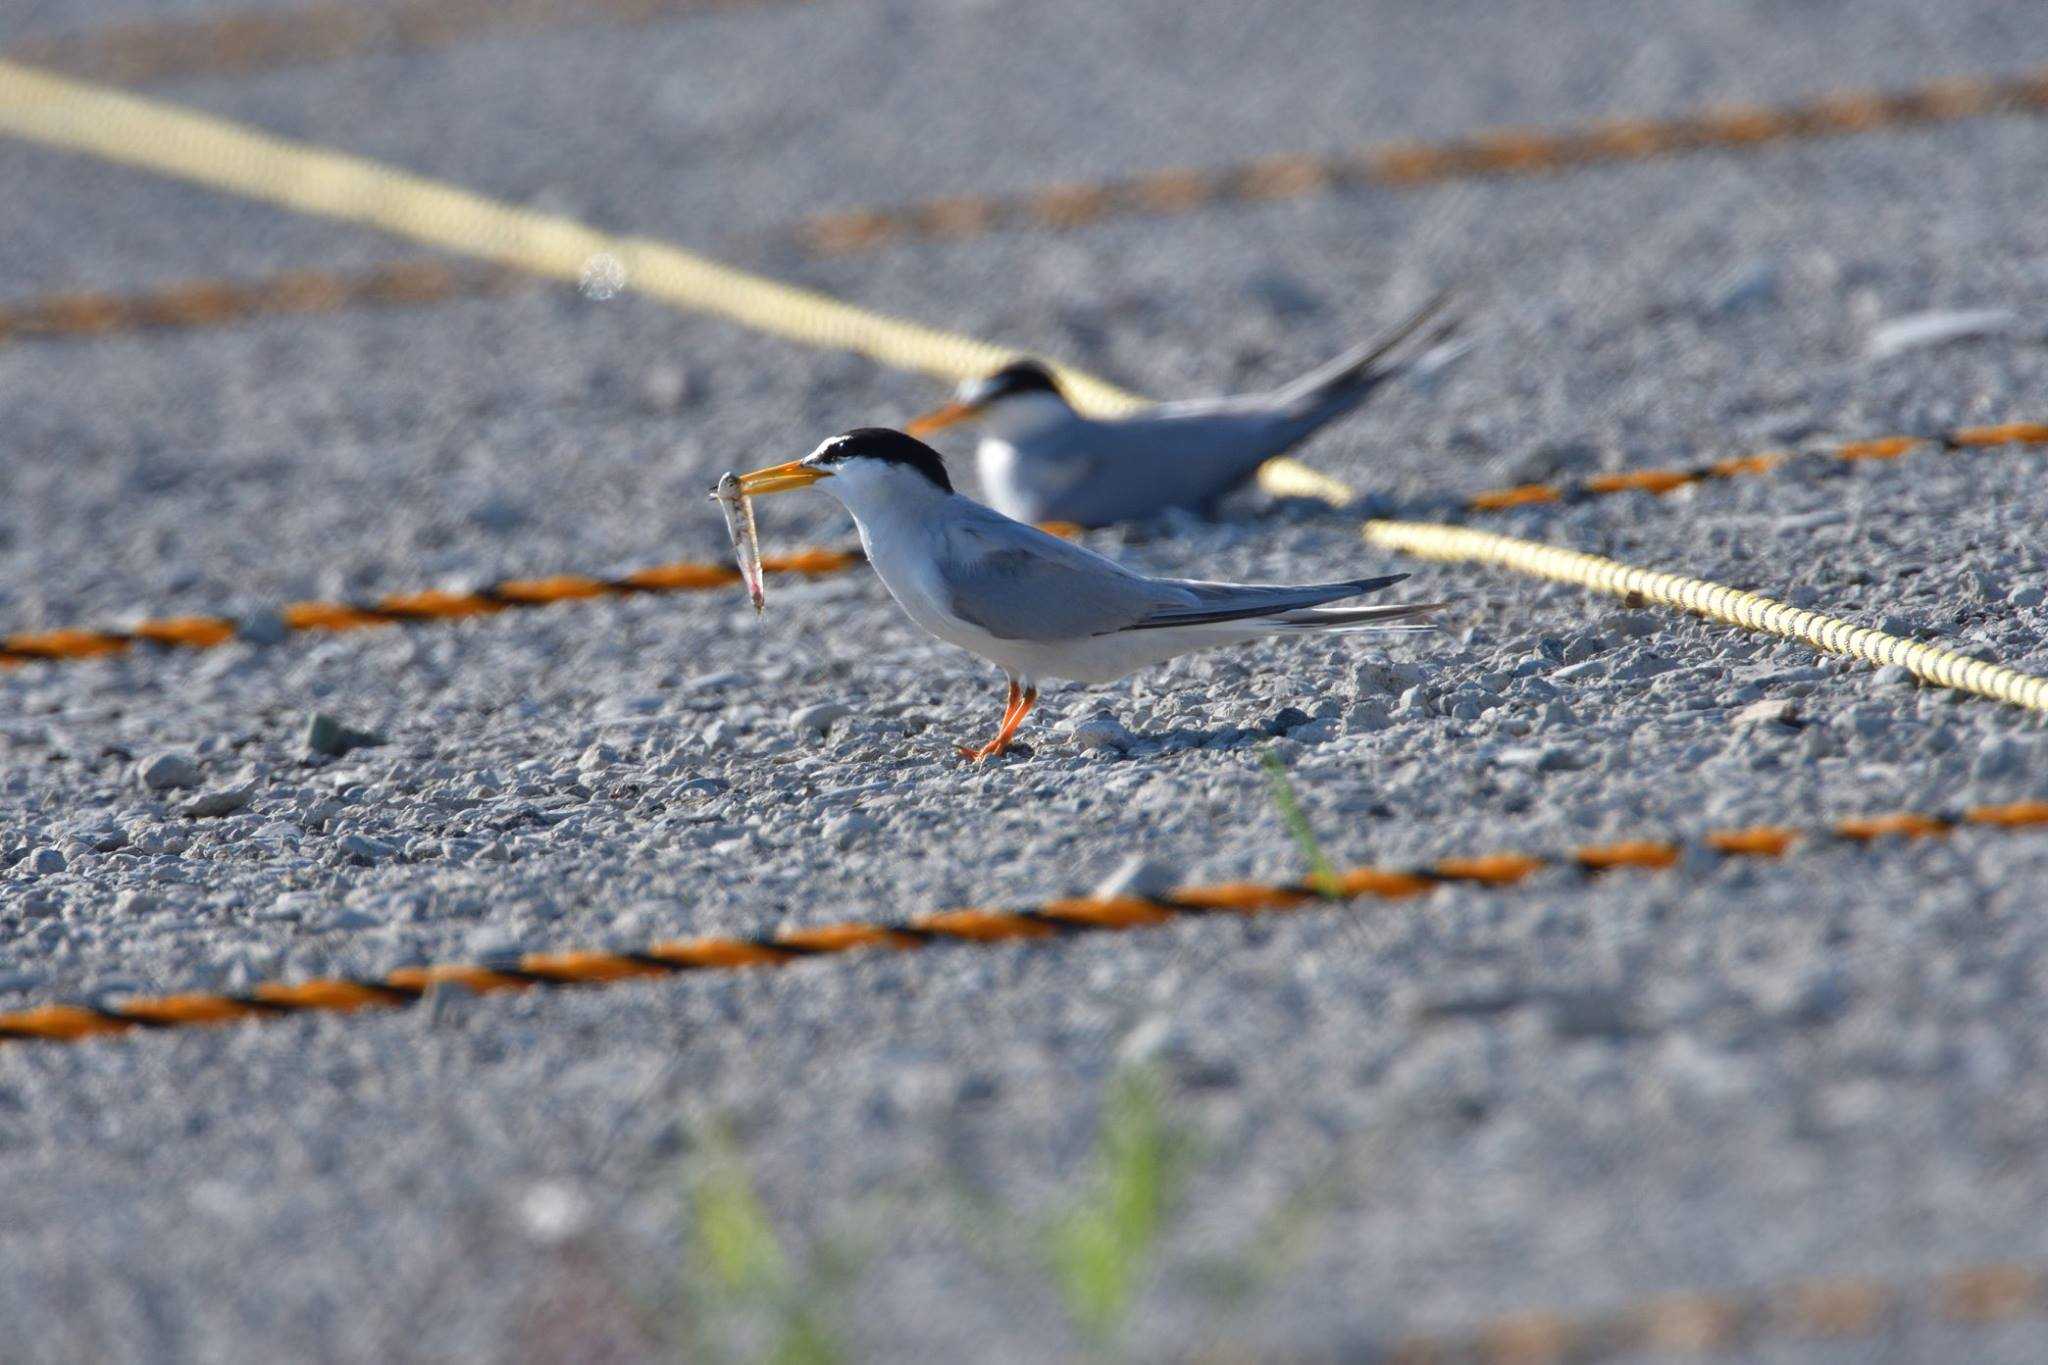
x: 1341, y: 619
x: 1345, y: 382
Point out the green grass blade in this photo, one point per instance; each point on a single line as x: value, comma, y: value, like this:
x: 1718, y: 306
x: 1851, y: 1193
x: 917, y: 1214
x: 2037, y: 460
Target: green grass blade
x: 1322, y: 875
x: 1101, y: 1250
x: 733, y: 1238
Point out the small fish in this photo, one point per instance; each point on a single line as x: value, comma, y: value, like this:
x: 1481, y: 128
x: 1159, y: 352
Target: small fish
x: 746, y: 541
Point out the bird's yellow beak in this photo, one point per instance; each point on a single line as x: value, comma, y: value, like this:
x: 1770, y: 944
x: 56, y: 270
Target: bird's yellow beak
x: 938, y: 419
x: 781, y: 478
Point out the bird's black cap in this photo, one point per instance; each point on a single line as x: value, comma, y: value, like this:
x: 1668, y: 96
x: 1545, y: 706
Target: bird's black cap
x: 890, y: 447
x: 1020, y: 377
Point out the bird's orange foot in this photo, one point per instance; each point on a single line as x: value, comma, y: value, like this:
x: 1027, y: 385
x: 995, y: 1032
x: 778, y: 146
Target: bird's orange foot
x: 1013, y: 716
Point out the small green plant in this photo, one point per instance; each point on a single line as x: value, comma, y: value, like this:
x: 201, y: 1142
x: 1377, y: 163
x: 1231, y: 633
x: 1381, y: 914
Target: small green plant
x: 1322, y: 875
x: 739, y: 1274
x: 1114, y: 1236
x: 1100, y: 1250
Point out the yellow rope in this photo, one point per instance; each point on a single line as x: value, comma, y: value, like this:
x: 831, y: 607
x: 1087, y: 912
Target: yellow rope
x: 1287, y: 477
x: 1946, y: 667
x: 168, y: 140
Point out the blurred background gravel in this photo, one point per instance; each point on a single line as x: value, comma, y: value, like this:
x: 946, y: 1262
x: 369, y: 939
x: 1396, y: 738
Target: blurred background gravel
x: 1567, y: 1095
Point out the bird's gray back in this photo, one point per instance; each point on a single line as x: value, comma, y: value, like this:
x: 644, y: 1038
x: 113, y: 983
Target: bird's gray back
x: 1186, y: 454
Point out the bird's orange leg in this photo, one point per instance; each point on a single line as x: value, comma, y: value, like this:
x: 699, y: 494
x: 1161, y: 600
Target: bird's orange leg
x: 1010, y: 723
x: 974, y: 753
x: 1021, y: 702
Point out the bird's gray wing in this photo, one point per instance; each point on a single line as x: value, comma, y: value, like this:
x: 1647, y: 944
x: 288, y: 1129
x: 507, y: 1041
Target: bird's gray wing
x: 1185, y: 454
x: 1018, y: 583
x: 1213, y: 602
x: 1190, y: 453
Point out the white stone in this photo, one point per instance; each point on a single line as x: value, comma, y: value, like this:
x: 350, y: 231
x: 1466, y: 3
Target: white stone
x: 167, y: 770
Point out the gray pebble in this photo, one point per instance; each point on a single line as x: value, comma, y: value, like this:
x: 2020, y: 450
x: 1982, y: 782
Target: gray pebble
x: 1138, y: 875
x: 626, y: 708
x: 844, y: 830
x: 1644, y: 665
x: 44, y: 862
x: 1101, y: 731
x: 1548, y: 759
x: 326, y: 735
x: 1552, y: 459
x: 167, y: 771
x: 1386, y: 677
x: 293, y: 905
x: 1751, y: 286
x: 221, y: 801
x: 1811, y: 521
x: 364, y: 849
x: 1286, y: 719
x: 1639, y: 625
x: 714, y: 682
x: 1367, y: 717
x: 262, y: 628
x: 818, y: 719
x: 1770, y: 711
x: 597, y: 757
x: 2000, y: 756
x: 1811, y: 996
x: 499, y: 514
x: 1315, y: 732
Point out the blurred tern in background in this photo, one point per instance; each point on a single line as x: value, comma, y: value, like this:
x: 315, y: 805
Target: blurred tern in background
x: 1031, y: 603
x: 1040, y: 460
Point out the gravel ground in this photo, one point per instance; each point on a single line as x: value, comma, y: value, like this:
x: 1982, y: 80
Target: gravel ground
x: 1570, y: 1095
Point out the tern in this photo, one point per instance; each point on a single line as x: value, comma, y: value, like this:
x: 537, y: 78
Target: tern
x: 1040, y: 460
x: 1029, y: 602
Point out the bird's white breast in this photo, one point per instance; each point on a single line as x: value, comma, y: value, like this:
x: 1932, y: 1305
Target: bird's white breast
x: 904, y: 545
